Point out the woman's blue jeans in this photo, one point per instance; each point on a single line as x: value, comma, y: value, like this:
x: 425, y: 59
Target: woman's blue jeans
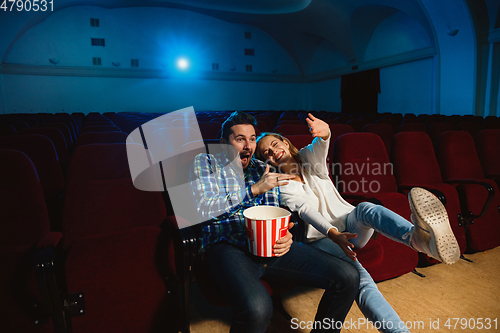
x: 237, y: 273
x: 363, y: 220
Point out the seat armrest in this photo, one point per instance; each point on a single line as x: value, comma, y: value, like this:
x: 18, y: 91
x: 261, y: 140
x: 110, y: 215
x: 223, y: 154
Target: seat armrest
x: 50, y: 239
x: 461, y: 193
x: 464, y: 181
x: 47, y: 270
x: 186, y: 246
x: 186, y: 243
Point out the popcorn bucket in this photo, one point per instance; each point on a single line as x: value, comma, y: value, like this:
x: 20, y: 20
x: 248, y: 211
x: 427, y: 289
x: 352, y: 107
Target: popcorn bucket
x: 265, y: 225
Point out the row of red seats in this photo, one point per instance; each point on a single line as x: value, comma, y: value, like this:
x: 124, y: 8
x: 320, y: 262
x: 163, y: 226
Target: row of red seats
x: 110, y: 268
x: 101, y: 210
x: 46, y: 145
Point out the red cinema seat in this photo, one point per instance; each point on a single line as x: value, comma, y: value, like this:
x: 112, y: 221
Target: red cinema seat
x: 290, y: 129
x: 412, y: 127
x: 18, y: 125
x: 7, y: 129
x: 100, y: 128
x: 470, y: 126
x: 25, y: 304
x: 116, y: 258
x: 357, y: 124
x: 363, y: 173
x: 65, y: 131
x: 300, y: 141
x: 290, y: 122
x: 491, y: 123
x: 479, y: 197
x: 415, y: 164
x: 488, y: 150
x: 42, y: 153
x: 57, y: 138
x: 394, y: 122
x: 384, y: 131
x: 438, y: 127
x: 210, y: 130
x: 87, y: 138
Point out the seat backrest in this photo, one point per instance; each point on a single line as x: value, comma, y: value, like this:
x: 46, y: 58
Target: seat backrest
x: 288, y: 129
x: 87, y: 138
x: 24, y: 220
x: 337, y: 130
x: 457, y: 156
x: 357, y: 124
x: 360, y: 161
x: 470, y: 126
x: 64, y: 129
x: 488, y: 150
x: 57, y: 138
x: 491, y: 123
x: 290, y: 122
x: 100, y: 128
x: 24, y: 213
x: 384, y: 131
x: 70, y: 123
x: 262, y: 124
x: 7, y: 129
x: 414, y: 160
x: 103, y: 122
x: 129, y: 125
x: 18, y: 124
x: 42, y: 153
x: 210, y: 130
x: 438, y: 127
x: 300, y: 141
x: 393, y: 121
x: 101, y: 198
x: 411, y: 127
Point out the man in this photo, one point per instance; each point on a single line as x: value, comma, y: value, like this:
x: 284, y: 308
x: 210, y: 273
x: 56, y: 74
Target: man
x: 222, y: 193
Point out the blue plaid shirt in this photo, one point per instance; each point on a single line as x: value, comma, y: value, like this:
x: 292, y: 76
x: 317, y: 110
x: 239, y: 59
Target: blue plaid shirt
x: 222, y: 194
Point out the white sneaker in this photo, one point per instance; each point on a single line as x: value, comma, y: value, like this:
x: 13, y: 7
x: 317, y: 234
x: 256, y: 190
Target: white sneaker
x: 432, y: 234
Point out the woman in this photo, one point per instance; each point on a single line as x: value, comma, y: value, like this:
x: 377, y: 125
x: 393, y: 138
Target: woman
x: 337, y: 227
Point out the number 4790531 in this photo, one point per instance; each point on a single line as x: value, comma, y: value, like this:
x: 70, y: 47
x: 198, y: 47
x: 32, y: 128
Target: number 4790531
x: 27, y: 5
x: 472, y: 323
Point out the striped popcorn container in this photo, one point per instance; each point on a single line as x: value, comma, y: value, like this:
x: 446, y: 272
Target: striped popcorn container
x: 265, y: 225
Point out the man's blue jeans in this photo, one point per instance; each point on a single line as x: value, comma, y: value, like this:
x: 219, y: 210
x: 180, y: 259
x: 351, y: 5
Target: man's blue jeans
x: 363, y: 220
x: 238, y: 273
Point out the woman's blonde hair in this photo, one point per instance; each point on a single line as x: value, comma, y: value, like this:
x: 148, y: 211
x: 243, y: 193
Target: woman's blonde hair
x: 293, y: 150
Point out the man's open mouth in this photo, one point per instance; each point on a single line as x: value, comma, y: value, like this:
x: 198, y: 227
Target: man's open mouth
x: 245, y: 158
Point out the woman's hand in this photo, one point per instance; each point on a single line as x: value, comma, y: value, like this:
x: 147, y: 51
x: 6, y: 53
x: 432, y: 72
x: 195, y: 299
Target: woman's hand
x: 318, y: 127
x: 342, y: 239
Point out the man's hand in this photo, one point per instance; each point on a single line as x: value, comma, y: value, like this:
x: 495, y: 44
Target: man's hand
x: 342, y: 239
x: 283, y: 244
x: 268, y: 181
x: 318, y: 127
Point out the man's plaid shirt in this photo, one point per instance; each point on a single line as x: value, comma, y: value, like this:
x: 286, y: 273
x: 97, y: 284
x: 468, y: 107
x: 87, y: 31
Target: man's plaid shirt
x: 222, y: 194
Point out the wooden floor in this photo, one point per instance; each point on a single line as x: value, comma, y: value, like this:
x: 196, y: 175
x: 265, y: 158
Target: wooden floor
x: 447, y: 299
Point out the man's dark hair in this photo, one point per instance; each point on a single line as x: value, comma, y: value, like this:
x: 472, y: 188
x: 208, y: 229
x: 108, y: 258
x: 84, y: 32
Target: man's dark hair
x: 236, y: 118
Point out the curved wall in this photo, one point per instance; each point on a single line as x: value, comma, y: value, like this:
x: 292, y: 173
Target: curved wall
x: 457, y: 55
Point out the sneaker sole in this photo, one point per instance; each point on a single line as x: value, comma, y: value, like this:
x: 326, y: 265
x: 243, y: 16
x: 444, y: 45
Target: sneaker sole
x: 431, y: 212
